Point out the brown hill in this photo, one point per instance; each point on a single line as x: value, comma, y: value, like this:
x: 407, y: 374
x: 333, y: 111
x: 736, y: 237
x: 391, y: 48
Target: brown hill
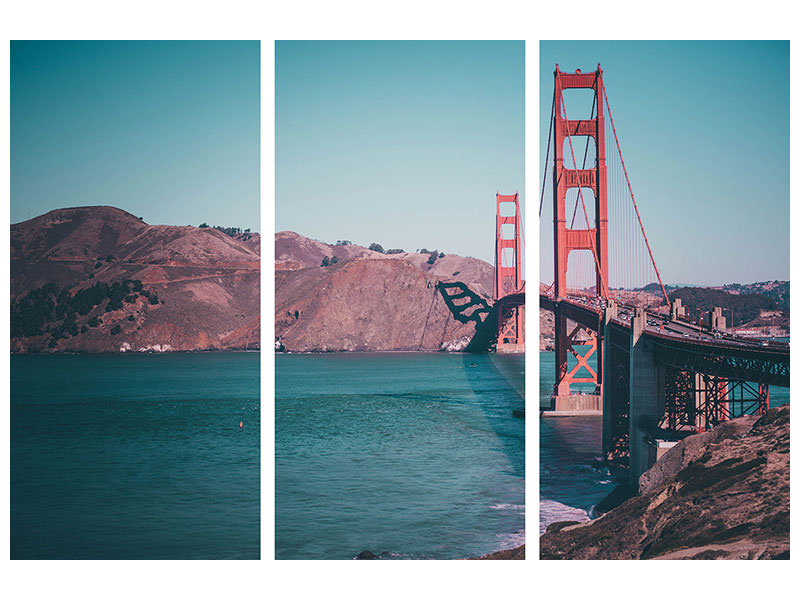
x: 293, y: 251
x: 721, y: 494
x: 367, y: 301
x: 98, y: 279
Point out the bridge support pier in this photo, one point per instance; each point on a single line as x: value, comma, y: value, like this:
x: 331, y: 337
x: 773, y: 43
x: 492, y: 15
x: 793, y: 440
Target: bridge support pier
x: 647, y: 400
x: 634, y: 396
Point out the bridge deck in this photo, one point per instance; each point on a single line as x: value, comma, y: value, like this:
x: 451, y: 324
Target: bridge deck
x: 684, y: 345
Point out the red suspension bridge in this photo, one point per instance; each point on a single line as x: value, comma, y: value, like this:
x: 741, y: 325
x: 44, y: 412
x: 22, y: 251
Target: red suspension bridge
x: 658, y: 376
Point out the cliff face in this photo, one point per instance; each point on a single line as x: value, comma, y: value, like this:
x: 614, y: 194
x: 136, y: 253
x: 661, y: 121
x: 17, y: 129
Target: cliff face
x: 367, y: 301
x: 723, y: 494
x: 98, y: 279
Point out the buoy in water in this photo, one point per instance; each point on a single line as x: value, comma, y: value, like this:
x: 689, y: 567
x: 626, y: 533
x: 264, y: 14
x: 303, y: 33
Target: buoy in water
x: 241, y: 424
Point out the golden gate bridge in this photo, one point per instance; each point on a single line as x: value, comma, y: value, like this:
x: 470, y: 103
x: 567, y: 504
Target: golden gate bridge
x: 659, y: 376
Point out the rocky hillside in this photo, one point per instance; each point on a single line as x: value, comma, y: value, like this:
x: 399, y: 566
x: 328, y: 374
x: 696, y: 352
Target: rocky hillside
x: 723, y: 494
x: 98, y: 279
x: 366, y: 300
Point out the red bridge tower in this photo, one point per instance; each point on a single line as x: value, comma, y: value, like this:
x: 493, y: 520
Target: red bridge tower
x: 508, y: 283
x: 593, y: 238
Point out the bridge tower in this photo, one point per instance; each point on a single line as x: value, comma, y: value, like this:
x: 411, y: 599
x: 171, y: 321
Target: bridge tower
x: 567, y: 239
x: 508, y: 275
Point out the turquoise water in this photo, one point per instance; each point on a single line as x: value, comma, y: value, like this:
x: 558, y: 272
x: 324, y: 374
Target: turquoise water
x: 412, y: 455
x: 135, y: 456
x: 570, y: 451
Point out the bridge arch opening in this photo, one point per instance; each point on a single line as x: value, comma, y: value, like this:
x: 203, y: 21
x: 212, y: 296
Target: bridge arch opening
x: 507, y: 209
x: 576, y: 218
x: 581, y: 273
x: 508, y: 257
x: 585, y: 150
x: 507, y: 231
x: 579, y: 103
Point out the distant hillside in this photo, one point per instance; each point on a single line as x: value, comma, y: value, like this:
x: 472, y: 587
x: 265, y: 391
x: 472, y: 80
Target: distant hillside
x: 652, y: 288
x: 778, y: 291
x: 98, y: 279
x: 746, y: 306
x: 367, y: 300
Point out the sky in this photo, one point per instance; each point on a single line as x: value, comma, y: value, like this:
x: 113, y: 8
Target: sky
x: 400, y: 143
x: 704, y: 131
x: 168, y: 131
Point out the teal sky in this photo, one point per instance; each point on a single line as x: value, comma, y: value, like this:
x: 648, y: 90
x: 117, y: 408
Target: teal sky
x: 168, y: 131
x: 400, y: 143
x: 704, y: 130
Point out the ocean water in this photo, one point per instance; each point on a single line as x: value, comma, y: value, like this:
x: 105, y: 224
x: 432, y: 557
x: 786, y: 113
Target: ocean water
x: 409, y: 454
x: 571, y: 478
x: 135, y: 456
x: 570, y: 448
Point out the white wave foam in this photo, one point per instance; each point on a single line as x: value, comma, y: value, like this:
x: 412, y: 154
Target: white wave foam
x: 551, y: 511
x: 520, y: 508
x: 506, y: 541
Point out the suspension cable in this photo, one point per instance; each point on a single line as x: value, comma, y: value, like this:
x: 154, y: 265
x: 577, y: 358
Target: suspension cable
x: 630, y: 189
x: 547, y: 155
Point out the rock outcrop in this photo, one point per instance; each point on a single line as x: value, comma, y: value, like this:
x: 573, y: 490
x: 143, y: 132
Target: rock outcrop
x: 99, y: 279
x: 722, y: 494
x: 517, y: 553
x: 366, y: 300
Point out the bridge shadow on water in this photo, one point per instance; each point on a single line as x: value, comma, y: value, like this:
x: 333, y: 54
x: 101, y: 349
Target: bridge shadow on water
x: 498, y: 378
x: 500, y: 381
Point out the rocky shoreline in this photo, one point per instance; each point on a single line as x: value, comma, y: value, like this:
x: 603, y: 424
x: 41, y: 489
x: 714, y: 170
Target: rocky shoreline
x: 517, y: 553
x: 722, y: 494
x: 115, y: 353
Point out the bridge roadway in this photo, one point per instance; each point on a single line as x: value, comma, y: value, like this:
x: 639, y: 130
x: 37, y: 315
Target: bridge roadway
x: 679, y: 337
x: 587, y: 310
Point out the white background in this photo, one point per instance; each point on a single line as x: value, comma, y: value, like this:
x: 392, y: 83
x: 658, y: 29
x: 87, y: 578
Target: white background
x: 411, y: 19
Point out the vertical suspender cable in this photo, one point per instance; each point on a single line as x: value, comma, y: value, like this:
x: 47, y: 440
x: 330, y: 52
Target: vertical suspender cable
x: 636, y: 208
